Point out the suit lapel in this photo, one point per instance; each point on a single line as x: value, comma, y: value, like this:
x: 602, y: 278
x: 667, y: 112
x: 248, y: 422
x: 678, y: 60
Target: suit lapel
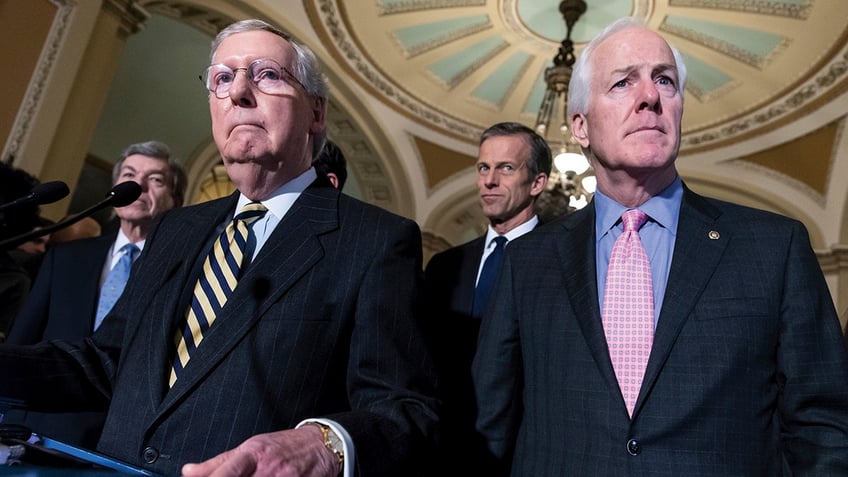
x: 577, y: 253
x: 698, y: 248
x: 200, y: 223
x: 471, y: 256
x: 290, y: 252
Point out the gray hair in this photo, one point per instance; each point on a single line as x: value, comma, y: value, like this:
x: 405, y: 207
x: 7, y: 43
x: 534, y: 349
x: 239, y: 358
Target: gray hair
x: 579, y: 87
x: 161, y: 151
x: 306, y: 69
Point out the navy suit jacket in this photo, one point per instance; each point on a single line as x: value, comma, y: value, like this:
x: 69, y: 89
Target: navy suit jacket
x: 748, y: 374
x: 62, y: 305
x: 63, y: 299
x: 322, y: 324
x: 452, y: 335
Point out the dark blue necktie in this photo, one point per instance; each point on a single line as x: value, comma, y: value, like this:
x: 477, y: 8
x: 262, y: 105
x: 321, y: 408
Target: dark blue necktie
x: 487, y: 277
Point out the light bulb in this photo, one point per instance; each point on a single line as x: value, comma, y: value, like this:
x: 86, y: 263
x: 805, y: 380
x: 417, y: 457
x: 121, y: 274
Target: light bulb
x: 571, y: 161
x: 589, y: 183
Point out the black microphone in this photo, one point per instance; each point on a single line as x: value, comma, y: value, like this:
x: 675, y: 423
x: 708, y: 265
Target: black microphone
x: 46, y: 193
x: 121, y: 195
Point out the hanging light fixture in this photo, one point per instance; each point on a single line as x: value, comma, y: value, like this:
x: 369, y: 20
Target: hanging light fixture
x: 572, y: 180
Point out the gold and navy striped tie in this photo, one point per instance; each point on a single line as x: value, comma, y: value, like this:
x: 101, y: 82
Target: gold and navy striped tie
x: 220, y: 276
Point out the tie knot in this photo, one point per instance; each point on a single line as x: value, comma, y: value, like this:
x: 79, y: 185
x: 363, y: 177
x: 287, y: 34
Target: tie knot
x: 500, y: 241
x: 130, y: 250
x: 633, y: 220
x: 251, y: 212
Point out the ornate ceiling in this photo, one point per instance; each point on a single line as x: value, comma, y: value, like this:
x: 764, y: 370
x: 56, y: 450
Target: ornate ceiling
x: 414, y: 82
x: 461, y: 65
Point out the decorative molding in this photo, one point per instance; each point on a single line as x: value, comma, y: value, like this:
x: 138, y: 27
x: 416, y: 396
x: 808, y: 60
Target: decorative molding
x: 416, y: 5
x: 202, y: 19
x: 834, y: 259
x: 433, y: 243
x: 35, y: 89
x: 763, y: 7
x: 382, y: 86
x: 705, y: 97
x: 725, y: 47
x: 828, y: 77
x: 470, y: 69
x: 442, y: 40
x: 788, y: 181
x: 129, y: 12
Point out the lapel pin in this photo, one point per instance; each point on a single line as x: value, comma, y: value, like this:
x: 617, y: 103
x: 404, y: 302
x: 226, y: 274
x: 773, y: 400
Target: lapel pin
x: 713, y: 235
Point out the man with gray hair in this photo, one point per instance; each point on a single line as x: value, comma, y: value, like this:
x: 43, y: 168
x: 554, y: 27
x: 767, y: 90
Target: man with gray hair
x: 272, y: 332
x: 657, y: 331
x: 79, y: 281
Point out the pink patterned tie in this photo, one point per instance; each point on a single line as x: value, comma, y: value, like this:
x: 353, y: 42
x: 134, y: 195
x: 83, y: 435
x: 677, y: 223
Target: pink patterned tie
x: 628, y: 314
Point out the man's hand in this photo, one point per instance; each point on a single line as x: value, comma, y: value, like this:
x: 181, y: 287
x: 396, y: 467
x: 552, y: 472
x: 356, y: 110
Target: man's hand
x: 295, y: 452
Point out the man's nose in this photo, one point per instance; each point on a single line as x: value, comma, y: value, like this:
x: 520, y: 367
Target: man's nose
x: 649, y: 96
x: 241, y: 90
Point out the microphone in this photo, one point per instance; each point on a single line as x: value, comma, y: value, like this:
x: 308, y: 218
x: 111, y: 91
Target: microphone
x: 121, y: 195
x: 46, y: 193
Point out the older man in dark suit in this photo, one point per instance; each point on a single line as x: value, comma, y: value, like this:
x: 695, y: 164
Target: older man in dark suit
x: 738, y: 367
x: 272, y: 332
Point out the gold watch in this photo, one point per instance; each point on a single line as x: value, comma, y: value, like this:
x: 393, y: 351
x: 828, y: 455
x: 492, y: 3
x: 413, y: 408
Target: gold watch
x: 332, y: 442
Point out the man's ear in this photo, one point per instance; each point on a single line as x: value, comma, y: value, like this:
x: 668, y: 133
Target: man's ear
x: 580, y: 129
x: 539, y: 184
x: 334, y: 179
x: 319, y: 114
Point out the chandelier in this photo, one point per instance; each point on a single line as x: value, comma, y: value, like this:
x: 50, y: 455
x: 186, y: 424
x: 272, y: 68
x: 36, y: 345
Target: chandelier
x: 572, y: 181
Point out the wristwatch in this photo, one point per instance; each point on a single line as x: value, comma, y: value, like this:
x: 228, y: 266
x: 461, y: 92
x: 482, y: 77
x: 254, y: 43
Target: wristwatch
x: 332, y: 442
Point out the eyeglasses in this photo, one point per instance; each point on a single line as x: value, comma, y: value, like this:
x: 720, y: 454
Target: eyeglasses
x: 266, y: 74
x: 505, y: 169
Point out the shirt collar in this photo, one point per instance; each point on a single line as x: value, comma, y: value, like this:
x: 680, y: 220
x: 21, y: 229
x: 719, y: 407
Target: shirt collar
x: 279, y: 202
x: 122, y: 240
x: 663, y: 208
x: 514, y: 233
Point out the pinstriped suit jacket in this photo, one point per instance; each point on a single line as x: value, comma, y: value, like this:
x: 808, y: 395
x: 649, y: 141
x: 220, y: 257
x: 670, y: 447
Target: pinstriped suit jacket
x: 748, y: 374
x: 321, y: 325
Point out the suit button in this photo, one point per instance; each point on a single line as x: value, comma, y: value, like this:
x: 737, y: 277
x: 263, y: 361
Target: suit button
x: 633, y: 447
x: 150, y: 455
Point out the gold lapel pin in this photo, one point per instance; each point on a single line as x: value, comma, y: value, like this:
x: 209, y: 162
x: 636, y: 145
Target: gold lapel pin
x: 713, y: 235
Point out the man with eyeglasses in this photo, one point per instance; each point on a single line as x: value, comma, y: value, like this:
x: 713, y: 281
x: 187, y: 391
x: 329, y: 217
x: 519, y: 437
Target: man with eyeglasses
x: 272, y: 332
x: 513, y: 166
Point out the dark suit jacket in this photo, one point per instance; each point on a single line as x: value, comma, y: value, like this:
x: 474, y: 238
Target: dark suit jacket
x: 747, y: 374
x: 61, y: 305
x: 321, y: 324
x: 63, y: 299
x: 14, y: 285
x: 452, y: 336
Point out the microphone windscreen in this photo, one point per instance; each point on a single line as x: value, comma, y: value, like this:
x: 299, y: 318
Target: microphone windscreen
x: 124, y: 193
x: 50, y: 192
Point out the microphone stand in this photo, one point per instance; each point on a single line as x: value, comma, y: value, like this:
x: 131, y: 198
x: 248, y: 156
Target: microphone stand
x: 120, y: 193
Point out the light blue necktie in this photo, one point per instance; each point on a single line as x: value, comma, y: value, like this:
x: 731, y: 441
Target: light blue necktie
x: 115, y: 282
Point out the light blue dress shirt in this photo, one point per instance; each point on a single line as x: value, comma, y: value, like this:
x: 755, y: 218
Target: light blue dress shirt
x: 657, y: 235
